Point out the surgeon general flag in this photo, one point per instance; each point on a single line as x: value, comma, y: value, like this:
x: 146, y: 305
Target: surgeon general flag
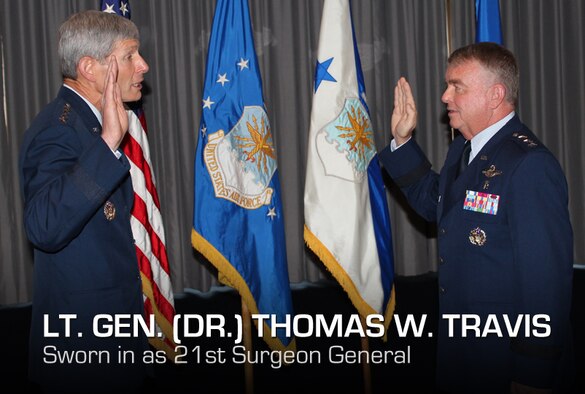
x: 346, y: 215
x: 238, y: 220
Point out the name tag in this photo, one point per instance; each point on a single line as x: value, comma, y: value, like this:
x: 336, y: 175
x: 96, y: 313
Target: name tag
x: 481, y: 202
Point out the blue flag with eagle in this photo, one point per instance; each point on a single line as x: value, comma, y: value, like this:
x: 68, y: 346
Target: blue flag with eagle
x: 346, y: 214
x: 238, y: 220
x: 488, y: 26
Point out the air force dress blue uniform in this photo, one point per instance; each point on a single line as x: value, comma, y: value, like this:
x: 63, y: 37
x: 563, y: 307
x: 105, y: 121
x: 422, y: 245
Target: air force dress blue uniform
x: 505, y: 249
x: 78, y: 196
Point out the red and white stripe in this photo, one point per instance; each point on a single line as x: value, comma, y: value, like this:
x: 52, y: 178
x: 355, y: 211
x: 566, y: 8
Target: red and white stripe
x: 148, y: 232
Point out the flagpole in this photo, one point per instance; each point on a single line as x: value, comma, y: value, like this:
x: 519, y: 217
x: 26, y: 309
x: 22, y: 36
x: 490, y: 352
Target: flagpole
x: 366, y: 365
x: 449, y: 38
x: 247, y: 334
x: 448, y: 25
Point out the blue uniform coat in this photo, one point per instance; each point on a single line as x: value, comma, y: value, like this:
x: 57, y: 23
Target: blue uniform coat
x: 516, y: 262
x: 78, y: 198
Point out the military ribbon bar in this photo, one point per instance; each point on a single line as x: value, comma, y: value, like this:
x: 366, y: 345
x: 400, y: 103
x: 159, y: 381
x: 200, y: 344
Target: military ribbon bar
x: 481, y: 202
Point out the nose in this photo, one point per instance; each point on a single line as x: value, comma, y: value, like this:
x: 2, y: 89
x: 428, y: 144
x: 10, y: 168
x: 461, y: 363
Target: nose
x: 142, y: 66
x: 446, y: 97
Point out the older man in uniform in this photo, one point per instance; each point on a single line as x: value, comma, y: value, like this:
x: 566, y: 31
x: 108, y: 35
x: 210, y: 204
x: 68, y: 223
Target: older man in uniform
x: 505, y: 239
x: 78, y: 196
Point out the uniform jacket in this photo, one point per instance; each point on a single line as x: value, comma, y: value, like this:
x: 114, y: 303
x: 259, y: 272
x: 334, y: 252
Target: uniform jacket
x: 513, y: 260
x: 78, y: 198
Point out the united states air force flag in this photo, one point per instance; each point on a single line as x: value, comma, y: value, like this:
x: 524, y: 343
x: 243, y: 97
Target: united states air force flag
x: 238, y: 219
x: 346, y: 216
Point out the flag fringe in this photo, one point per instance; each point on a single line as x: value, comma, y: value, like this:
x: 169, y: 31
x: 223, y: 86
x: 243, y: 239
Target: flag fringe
x: 160, y: 344
x: 333, y: 266
x: 165, y: 326
x: 234, y: 279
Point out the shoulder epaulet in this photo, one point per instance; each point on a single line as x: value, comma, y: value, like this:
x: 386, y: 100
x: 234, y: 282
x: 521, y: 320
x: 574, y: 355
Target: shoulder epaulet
x: 525, y: 140
x: 65, y: 113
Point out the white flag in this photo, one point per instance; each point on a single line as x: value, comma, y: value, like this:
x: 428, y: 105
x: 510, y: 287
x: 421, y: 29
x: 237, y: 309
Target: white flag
x: 346, y: 214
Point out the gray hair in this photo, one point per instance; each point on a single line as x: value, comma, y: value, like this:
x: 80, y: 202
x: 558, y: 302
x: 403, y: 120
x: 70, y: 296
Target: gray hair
x: 91, y: 33
x: 495, y: 58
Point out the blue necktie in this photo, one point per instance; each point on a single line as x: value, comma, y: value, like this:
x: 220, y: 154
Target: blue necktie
x: 464, y: 161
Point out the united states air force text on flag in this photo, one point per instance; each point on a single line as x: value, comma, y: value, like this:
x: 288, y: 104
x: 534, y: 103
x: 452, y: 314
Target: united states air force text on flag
x: 346, y: 214
x: 238, y: 221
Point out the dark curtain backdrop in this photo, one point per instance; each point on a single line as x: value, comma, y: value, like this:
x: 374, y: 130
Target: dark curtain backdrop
x: 395, y: 38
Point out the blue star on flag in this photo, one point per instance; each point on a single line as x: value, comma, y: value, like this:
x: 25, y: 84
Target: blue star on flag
x: 321, y: 73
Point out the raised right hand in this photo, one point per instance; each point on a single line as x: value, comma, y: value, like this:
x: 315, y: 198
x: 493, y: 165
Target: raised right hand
x: 404, y: 115
x: 114, y: 115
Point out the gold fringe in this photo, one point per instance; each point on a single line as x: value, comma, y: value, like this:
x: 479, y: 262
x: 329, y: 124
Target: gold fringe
x: 165, y: 326
x: 159, y: 344
x: 333, y: 266
x: 230, y: 276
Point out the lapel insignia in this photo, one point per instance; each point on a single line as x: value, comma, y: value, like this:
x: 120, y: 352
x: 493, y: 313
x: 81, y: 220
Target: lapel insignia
x: 483, y: 158
x: 486, y: 184
x: 491, y: 171
x: 109, y: 210
x: 477, y: 237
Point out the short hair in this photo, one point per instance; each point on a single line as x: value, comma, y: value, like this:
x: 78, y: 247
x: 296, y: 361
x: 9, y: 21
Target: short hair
x: 495, y: 58
x: 91, y: 33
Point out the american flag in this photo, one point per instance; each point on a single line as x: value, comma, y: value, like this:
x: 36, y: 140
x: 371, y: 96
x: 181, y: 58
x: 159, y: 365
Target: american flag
x: 146, y: 220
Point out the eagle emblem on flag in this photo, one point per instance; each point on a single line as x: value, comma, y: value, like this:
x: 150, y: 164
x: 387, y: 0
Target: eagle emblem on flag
x: 242, y: 162
x: 345, y: 145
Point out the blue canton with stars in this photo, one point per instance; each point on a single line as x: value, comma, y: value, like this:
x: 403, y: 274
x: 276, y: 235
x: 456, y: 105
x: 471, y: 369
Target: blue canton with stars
x: 116, y: 7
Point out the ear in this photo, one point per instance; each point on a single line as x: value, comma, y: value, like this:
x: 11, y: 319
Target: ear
x: 497, y: 95
x: 87, y: 68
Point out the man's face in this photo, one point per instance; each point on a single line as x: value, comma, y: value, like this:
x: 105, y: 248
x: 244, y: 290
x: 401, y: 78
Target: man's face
x: 131, y: 69
x: 468, y: 97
